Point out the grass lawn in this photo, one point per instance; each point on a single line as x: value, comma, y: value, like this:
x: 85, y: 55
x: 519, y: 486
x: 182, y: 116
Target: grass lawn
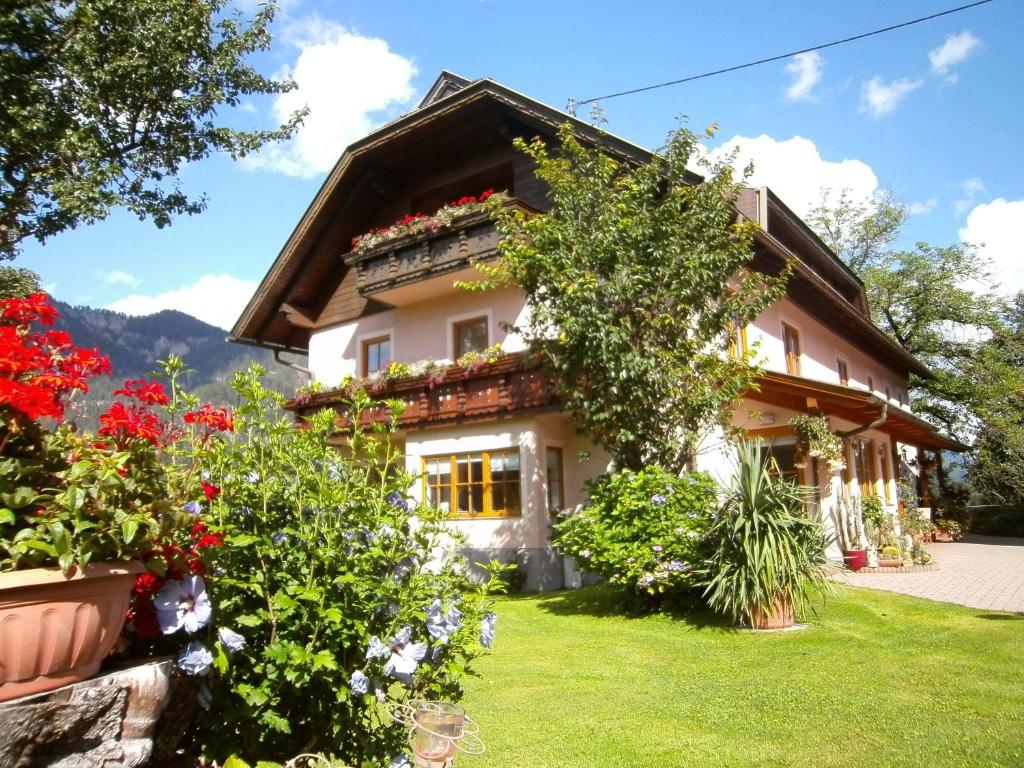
x: 878, y: 680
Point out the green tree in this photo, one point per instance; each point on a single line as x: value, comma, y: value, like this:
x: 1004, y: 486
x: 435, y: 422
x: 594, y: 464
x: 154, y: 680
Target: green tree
x: 929, y: 299
x: 17, y: 282
x: 105, y: 100
x: 858, y: 232
x: 635, y: 277
x: 997, y: 469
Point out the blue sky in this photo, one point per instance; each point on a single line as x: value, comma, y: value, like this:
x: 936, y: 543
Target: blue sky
x: 932, y: 112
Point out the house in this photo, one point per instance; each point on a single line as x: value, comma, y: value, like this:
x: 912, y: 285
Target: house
x: 489, y: 440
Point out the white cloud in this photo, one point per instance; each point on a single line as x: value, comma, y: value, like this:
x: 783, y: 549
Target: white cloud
x: 118, y: 277
x: 805, y: 69
x: 878, y: 98
x: 214, y: 299
x: 921, y: 209
x: 350, y: 84
x: 970, y: 187
x: 995, y: 228
x: 796, y: 171
x: 955, y: 50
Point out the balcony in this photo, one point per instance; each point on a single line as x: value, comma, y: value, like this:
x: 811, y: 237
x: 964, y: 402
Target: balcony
x: 514, y: 384
x: 396, y: 271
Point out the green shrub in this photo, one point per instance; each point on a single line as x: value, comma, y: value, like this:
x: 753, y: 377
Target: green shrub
x: 763, y: 546
x: 343, y: 592
x: 641, y: 529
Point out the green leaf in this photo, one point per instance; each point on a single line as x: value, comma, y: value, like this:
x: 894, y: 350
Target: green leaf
x: 128, y: 529
x: 249, y: 620
x: 241, y: 539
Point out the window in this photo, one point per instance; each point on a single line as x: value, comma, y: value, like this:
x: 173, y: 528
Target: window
x: 376, y: 353
x: 737, y: 337
x: 556, y: 485
x: 844, y: 372
x: 883, y: 462
x: 791, y: 343
x: 864, y: 465
x: 482, y: 484
x: 782, y: 459
x: 469, y: 336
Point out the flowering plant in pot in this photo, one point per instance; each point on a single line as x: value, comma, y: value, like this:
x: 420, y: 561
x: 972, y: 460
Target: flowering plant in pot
x: 77, y: 510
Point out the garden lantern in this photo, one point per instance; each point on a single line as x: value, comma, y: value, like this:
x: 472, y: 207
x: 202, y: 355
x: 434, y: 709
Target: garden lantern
x: 437, y: 731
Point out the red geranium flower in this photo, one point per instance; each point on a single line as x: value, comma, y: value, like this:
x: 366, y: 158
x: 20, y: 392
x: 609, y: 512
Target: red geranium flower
x: 148, y: 392
x: 211, y: 491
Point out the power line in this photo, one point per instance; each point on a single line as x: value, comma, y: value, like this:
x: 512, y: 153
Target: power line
x: 781, y: 55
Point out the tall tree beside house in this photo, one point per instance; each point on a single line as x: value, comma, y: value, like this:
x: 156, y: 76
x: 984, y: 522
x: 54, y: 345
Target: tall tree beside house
x: 997, y: 471
x: 635, y: 277
x: 105, y: 100
x: 930, y: 299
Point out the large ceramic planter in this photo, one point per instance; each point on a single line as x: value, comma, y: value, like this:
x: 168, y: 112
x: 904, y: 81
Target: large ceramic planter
x: 780, y: 616
x: 57, y: 629
x: 855, y: 559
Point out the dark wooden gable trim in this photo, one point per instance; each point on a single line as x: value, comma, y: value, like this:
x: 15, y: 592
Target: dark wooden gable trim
x: 446, y: 84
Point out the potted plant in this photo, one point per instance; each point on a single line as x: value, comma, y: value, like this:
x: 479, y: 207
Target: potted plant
x: 891, y: 556
x: 816, y: 439
x: 78, y: 510
x: 767, y: 555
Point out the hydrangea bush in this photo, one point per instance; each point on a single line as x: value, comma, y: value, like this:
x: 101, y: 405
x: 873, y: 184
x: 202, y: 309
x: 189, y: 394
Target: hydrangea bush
x: 641, y: 529
x: 331, y: 594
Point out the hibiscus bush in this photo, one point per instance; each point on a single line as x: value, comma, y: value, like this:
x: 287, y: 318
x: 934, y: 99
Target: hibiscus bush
x: 330, y: 595
x: 641, y: 530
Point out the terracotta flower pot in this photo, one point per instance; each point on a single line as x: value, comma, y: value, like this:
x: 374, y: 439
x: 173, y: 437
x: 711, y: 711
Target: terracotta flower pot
x: 780, y: 616
x: 57, y: 629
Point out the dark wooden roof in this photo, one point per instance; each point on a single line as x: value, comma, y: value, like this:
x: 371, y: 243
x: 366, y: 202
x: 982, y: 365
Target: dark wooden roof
x: 482, y: 114
x: 457, y: 116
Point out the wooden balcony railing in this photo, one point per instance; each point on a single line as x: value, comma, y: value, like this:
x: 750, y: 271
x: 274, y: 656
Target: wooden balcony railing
x: 513, y: 384
x: 427, y: 254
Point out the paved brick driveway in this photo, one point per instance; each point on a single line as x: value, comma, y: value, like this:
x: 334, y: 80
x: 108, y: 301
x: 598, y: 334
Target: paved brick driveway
x: 981, y: 572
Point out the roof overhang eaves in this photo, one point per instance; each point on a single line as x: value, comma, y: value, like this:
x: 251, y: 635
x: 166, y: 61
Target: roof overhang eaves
x: 851, y: 313
x: 859, y: 406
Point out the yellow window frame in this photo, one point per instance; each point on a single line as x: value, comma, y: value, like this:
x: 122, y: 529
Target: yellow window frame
x: 488, y: 485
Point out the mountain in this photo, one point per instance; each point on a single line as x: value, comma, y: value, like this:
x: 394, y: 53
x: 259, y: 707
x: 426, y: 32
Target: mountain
x: 135, y: 344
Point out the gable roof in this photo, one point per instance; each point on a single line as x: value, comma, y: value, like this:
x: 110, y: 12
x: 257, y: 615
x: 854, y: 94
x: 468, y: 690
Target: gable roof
x: 311, y: 257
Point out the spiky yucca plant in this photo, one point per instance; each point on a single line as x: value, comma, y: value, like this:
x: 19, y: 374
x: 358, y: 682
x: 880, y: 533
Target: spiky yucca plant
x: 764, y: 547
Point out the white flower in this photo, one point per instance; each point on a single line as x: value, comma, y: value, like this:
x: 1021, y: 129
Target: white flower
x: 195, y: 659
x: 183, y: 604
x: 404, y: 660
x: 487, y: 629
x: 377, y: 649
x: 231, y: 640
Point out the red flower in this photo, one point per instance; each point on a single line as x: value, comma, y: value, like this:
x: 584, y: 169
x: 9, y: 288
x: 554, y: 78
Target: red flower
x: 128, y: 422
x: 148, y: 583
x: 148, y: 392
x: 218, y: 419
x: 211, y: 491
x: 197, y: 566
x: 485, y: 194
x: 207, y: 540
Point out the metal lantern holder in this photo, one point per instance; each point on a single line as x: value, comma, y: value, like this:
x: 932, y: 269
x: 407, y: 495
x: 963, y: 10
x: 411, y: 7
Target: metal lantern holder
x: 438, y: 730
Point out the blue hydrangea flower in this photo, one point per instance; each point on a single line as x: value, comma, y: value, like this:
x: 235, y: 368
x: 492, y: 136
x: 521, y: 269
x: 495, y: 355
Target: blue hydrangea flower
x: 658, y: 499
x: 279, y: 538
x: 195, y: 659
x: 377, y: 649
x: 487, y: 627
x: 400, y: 761
x: 359, y: 683
x: 193, y: 507
x: 183, y: 604
x: 403, y: 568
x: 231, y: 640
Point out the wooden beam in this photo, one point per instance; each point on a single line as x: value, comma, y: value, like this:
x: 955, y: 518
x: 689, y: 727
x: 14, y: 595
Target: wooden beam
x: 300, y: 317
